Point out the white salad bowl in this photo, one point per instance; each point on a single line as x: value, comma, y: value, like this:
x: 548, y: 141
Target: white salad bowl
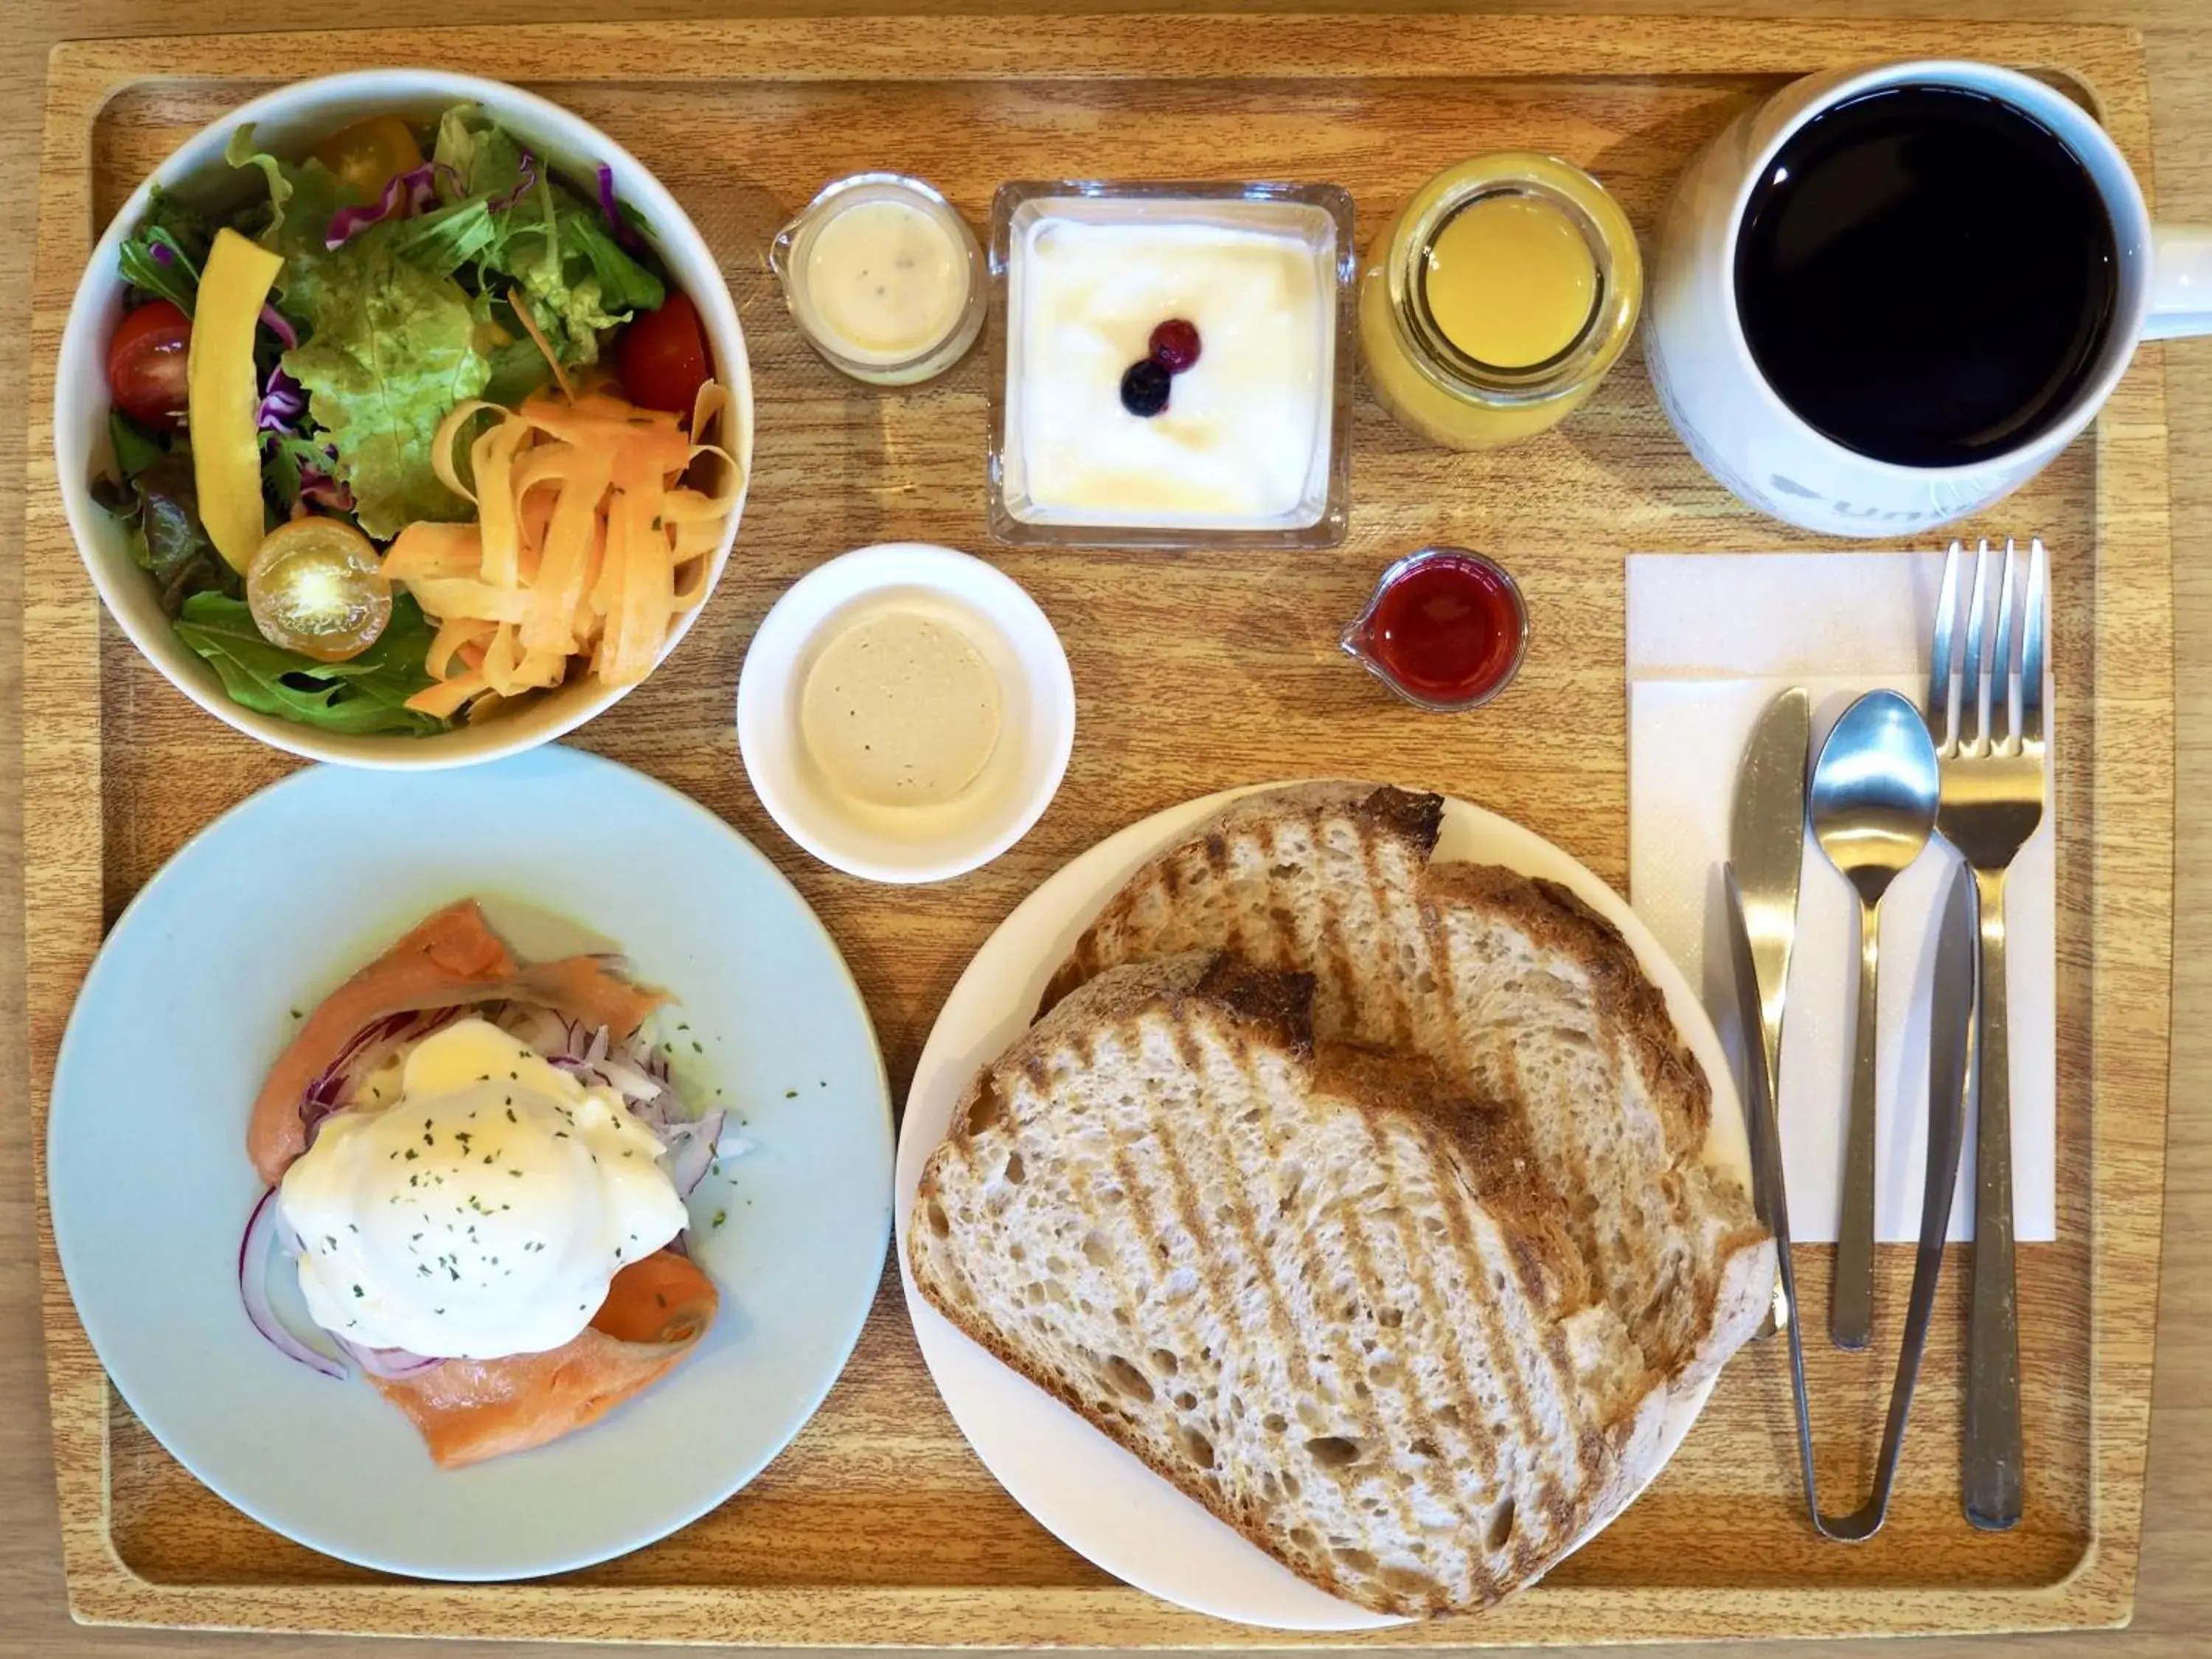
x: 289, y: 121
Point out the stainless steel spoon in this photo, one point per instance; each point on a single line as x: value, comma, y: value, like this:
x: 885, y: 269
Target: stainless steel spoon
x: 1872, y: 808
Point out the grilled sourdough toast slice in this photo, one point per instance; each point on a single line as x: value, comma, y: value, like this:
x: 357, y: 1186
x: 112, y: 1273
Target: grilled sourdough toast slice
x: 1517, y: 991
x: 1332, y: 1301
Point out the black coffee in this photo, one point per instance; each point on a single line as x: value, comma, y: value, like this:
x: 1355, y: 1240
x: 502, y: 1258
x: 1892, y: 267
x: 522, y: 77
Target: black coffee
x: 1926, y: 275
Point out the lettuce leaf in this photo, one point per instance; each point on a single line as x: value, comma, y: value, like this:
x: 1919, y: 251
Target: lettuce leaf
x: 392, y: 347
x: 578, y: 282
x: 549, y: 250
x: 159, y: 504
x: 475, y: 155
x: 240, y: 153
x: 363, y: 698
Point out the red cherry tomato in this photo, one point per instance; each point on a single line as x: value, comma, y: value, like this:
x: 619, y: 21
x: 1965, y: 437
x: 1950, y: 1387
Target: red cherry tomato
x: 146, y: 364
x: 662, y: 356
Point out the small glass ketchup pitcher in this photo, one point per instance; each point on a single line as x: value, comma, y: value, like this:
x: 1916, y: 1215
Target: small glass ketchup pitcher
x: 1444, y: 629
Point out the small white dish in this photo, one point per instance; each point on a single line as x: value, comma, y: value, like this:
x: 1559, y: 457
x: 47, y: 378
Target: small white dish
x: 909, y: 844
x: 193, y: 997
x: 1084, y: 1488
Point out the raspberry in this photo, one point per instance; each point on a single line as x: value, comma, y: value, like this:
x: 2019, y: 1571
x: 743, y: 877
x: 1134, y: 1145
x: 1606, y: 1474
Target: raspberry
x: 1175, y: 344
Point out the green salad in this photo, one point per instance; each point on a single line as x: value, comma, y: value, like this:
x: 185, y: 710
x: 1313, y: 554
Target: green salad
x: 367, y: 293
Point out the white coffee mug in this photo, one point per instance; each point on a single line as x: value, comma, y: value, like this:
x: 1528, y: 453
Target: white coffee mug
x: 1737, y: 425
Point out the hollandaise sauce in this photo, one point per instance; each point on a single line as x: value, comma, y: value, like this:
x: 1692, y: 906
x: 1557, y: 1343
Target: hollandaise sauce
x: 476, y: 1205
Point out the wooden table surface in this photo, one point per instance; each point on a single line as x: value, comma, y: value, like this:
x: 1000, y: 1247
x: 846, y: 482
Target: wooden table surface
x: 2174, y: 1601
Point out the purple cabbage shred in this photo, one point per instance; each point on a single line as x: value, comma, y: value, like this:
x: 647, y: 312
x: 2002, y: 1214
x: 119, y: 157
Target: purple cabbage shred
x: 610, y: 209
x: 406, y: 195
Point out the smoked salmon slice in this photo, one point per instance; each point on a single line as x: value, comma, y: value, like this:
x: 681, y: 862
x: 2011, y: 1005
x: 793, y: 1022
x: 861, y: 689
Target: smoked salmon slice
x: 468, y: 1410
x: 454, y: 958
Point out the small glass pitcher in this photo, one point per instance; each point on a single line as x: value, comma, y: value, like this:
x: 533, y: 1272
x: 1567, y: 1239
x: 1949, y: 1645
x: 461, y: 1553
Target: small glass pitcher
x: 790, y: 257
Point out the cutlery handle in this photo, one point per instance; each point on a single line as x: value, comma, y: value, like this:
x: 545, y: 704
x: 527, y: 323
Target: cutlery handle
x: 1851, y: 1302
x: 1991, y: 1476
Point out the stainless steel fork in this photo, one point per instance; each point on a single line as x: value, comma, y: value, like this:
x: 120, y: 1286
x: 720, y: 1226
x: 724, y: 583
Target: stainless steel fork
x: 1985, y: 712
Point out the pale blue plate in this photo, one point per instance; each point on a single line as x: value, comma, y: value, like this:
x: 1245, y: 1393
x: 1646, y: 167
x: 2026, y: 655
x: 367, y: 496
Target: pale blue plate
x: 275, y: 903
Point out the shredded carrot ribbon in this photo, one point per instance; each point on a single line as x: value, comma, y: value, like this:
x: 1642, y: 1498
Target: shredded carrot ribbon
x: 586, y: 545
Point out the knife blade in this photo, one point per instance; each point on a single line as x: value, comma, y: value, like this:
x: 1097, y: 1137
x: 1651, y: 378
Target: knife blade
x: 1766, y: 849
x: 1768, y: 1191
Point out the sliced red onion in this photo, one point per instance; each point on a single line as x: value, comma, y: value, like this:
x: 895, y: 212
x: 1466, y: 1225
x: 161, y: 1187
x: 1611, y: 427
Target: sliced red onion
x: 636, y: 1085
x: 370, y: 1048
x: 611, y: 211
x: 254, y: 1292
x: 404, y: 195
x: 273, y: 320
x: 535, y: 1027
x: 390, y: 1364
x: 693, y: 1148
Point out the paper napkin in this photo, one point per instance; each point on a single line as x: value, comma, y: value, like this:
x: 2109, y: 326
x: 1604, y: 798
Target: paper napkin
x: 1712, y: 639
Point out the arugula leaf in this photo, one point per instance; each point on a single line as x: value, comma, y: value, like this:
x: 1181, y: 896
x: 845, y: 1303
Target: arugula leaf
x: 393, y: 349
x: 285, y: 459
x: 137, y: 447
x: 160, y: 506
x: 365, y: 697
x: 163, y: 256
x: 624, y: 284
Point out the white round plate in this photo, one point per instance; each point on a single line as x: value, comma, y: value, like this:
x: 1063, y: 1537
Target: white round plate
x: 1094, y: 1497
x: 271, y: 906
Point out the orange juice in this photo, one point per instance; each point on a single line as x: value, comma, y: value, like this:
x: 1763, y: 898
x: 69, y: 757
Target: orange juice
x: 1496, y: 300
x: 1510, y: 280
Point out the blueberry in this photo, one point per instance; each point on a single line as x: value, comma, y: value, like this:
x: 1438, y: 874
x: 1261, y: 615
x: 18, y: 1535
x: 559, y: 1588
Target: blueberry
x: 1175, y: 344
x: 1144, y: 387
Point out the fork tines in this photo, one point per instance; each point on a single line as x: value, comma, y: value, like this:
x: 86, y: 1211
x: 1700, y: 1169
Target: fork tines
x: 1988, y: 699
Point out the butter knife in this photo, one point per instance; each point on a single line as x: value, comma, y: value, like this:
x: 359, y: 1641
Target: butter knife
x: 1766, y: 850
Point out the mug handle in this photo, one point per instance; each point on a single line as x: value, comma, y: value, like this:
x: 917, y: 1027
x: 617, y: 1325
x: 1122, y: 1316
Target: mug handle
x: 2180, y: 281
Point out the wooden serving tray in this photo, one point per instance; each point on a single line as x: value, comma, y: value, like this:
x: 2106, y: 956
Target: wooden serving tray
x: 1195, y: 671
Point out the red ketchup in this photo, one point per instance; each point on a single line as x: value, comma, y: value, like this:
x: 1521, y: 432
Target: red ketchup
x: 1445, y: 629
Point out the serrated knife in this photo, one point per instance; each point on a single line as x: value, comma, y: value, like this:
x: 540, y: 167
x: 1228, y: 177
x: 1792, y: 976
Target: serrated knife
x: 1766, y: 848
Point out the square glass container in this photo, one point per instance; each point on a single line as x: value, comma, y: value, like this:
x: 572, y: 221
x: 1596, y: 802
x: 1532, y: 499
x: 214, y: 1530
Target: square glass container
x: 1315, y: 219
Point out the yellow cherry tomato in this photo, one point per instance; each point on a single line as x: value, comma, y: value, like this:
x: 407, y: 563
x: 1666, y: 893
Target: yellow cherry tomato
x: 315, y: 587
x: 368, y: 155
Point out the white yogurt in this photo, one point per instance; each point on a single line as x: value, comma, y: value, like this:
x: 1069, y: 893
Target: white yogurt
x: 1243, y: 441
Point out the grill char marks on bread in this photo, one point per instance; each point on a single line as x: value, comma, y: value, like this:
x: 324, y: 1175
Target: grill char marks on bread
x: 1315, y: 1284
x: 1516, y: 991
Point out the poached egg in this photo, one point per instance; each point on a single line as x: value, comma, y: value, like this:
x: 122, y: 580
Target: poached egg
x: 476, y: 1205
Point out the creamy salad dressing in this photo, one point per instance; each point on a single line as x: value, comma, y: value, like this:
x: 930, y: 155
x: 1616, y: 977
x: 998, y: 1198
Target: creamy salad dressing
x: 900, y: 710
x: 885, y: 280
